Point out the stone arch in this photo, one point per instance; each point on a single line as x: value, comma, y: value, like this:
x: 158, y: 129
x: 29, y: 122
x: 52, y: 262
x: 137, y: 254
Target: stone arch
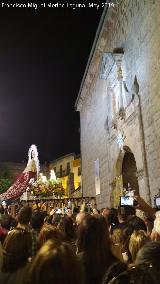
x: 125, y: 174
x: 129, y: 172
x: 116, y: 185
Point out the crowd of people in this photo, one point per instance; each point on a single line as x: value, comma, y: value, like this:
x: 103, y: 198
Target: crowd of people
x: 80, y: 245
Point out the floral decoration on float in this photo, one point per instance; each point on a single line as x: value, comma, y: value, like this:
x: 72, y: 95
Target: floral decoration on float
x: 47, y: 188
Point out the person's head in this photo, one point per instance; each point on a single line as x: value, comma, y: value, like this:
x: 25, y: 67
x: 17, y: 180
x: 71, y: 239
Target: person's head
x: 1, y: 209
x: 157, y: 222
x: 54, y: 219
x: 56, y: 263
x: 69, y: 212
x: 130, y: 211
x: 95, y: 211
x: 6, y: 222
x: 48, y: 232
x: 37, y: 220
x: 93, y: 244
x: 137, y: 240
x: 112, y: 217
x: 149, y: 253
x: 24, y: 215
x: 6, y: 225
x: 137, y: 223
x: 140, y: 274
x: 17, y: 249
x: 80, y: 217
x: 113, y: 271
x: 116, y: 236
x: 65, y: 225
x: 14, y: 223
x: 92, y: 233
x: 122, y: 215
x: 134, y: 223
x: 75, y: 211
x: 104, y: 212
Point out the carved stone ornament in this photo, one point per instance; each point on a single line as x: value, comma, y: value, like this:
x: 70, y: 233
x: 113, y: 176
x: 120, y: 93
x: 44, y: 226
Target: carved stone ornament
x: 120, y: 139
x: 140, y: 174
x: 106, y: 65
x: 113, y: 183
x: 114, y: 123
x: 122, y: 113
x: 106, y: 125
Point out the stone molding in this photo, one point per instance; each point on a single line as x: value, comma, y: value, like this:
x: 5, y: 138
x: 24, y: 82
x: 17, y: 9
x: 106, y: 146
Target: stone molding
x: 140, y: 174
x: 106, y: 65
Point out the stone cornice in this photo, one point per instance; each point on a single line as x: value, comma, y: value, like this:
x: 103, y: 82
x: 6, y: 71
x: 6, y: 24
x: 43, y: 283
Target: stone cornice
x: 91, y: 76
x: 92, y: 69
x: 106, y: 65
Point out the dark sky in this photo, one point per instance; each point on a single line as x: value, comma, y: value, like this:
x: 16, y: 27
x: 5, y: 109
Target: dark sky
x: 43, y: 55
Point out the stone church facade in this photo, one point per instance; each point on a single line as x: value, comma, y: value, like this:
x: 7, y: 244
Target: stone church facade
x: 119, y: 104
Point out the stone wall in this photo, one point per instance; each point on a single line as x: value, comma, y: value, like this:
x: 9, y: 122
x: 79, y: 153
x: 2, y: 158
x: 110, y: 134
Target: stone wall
x: 134, y: 26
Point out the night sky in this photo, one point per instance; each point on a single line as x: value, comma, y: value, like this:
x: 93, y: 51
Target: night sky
x: 43, y: 55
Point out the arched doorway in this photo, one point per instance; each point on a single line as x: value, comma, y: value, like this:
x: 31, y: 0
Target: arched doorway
x: 129, y: 172
x: 125, y: 175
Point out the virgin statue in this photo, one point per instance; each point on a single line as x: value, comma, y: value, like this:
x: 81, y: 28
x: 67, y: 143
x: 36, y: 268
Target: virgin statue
x: 30, y: 173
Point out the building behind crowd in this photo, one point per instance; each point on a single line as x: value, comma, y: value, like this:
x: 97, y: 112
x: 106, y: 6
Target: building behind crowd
x: 11, y: 170
x: 119, y: 104
x: 68, y: 168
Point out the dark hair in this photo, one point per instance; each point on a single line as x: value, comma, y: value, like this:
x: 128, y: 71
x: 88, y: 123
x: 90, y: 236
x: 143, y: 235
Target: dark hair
x: 54, y: 220
x: 24, y: 215
x: 137, y: 223
x: 17, y: 246
x: 76, y: 210
x: 137, y: 275
x: 150, y: 252
x: 37, y: 220
x: 101, y: 210
x: 55, y: 263
x: 129, y: 210
x: 49, y: 232
x: 1, y: 209
x: 112, y: 218
x: 65, y: 225
x: 6, y: 222
x: 137, y: 240
x: 122, y: 214
x: 94, y: 247
x: 133, y: 224
x: 114, y: 270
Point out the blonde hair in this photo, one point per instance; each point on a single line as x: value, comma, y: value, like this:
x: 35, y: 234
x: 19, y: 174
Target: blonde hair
x: 157, y: 222
x: 80, y: 217
x: 116, y: 236
x: 49, y: 232
x: 57, y: 263
x: 137, y: 240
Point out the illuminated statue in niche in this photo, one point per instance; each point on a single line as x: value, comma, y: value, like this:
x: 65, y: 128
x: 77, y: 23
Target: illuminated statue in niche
x: 30, y: 173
